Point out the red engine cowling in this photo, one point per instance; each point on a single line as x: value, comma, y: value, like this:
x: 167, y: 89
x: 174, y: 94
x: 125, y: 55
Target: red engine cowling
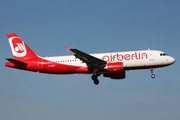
x: 114, y: 67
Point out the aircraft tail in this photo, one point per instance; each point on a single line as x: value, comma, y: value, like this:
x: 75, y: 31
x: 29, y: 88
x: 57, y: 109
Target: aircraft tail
x: 19, y: 49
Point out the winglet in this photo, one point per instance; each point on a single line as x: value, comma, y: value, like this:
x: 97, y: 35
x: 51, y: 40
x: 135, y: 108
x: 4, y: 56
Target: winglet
x: 68, y: 48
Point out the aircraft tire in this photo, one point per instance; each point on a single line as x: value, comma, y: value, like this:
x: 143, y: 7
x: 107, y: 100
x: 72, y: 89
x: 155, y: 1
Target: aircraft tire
x: 94, y: 77
x: 153, y: 75
x: 96, y: 82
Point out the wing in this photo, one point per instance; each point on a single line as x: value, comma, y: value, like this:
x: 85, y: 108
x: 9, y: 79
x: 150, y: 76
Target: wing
x: 90, y: 60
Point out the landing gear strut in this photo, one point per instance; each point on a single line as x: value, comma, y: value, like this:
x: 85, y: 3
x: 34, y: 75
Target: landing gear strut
x: 95, y: 79
x: 152, y: 73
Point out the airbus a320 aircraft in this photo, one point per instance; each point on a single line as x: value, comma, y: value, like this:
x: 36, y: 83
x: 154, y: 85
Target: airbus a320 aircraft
x: 113, y: 65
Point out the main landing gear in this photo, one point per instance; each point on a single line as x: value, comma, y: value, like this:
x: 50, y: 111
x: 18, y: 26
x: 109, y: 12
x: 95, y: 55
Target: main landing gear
x: 94, y: 77
x: 152, y: 73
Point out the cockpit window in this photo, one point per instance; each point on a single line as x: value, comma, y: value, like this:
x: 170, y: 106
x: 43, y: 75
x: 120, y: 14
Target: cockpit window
x: 163, y: 54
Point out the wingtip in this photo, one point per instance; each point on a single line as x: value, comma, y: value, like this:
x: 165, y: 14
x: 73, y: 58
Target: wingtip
x: 68, y: 48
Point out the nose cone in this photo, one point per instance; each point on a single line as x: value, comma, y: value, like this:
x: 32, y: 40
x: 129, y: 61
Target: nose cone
x: 172, y: 60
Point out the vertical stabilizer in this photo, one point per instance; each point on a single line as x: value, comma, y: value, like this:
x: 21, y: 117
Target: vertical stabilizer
x: 19, y: 49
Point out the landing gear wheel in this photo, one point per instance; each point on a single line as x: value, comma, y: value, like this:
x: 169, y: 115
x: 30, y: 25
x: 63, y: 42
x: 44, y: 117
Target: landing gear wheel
x: 153, y: 75
x: 95, y: 79
x: 96, y: 82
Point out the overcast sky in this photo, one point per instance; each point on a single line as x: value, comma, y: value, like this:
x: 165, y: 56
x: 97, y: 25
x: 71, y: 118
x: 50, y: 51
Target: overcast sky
x: 92, y: 26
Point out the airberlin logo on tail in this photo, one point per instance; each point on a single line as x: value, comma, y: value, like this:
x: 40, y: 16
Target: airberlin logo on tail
x: 17, y: 46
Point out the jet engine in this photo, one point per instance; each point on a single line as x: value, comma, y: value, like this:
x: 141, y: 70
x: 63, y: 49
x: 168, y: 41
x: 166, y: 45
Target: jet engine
x: 114, y: 67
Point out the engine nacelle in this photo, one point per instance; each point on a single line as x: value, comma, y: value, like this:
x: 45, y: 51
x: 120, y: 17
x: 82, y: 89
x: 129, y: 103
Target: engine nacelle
x: 120, y: 75
x: 114, y: 67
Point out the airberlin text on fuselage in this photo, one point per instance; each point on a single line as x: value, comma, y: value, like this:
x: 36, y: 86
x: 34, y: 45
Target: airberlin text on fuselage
x: 121, y: 57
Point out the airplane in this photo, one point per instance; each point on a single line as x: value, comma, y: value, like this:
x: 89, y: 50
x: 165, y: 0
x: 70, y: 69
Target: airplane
x: 112, y: 65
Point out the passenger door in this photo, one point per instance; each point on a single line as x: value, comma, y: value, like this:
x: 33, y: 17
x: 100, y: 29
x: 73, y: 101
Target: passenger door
x: 151, y: 55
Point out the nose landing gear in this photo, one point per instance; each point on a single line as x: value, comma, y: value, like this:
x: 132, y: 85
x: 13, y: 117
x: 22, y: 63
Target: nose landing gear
x: 152, y: 73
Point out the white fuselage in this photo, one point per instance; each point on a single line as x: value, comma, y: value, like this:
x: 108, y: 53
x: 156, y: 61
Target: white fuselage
x: 130, y: 59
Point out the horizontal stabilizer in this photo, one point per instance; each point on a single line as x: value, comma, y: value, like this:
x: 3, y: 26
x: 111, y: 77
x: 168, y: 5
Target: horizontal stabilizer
x: 16, y: 62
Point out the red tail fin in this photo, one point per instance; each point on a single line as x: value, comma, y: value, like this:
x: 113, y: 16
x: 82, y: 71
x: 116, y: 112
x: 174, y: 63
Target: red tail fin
x: 19, y: 49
